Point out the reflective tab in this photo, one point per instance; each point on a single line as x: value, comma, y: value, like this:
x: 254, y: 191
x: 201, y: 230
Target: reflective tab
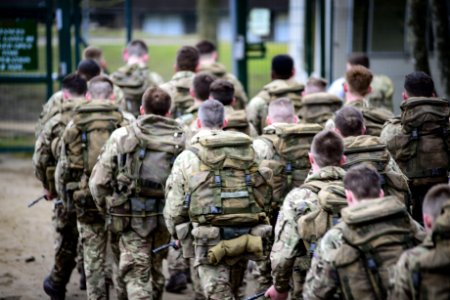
x: 414, y: 134
x: 288, y: 168
x: 335, y: 220
x: 84, y: 137
x: 187, y: 200
x: 215, y: 210
x: 371, y: 264
x: 217, y: 180
x: 142, y: 154
x: 238, y: 194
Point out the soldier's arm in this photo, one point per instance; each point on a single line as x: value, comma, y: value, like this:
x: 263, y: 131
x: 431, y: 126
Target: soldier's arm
x: 156, y: 78
x: 263, y: 150
x: 255, y: 111
x: 41, y: 158
x: 400, y: 279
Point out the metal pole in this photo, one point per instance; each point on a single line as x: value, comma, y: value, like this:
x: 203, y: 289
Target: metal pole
x: 238, y: 17
x: 65, y: 48
x: 77, y: 24
x: 129, y: 20
x: 329, y: 39
x: 309, y: 37
x: 48, y: 47
x: 297, y: 37
x: 322, y: 37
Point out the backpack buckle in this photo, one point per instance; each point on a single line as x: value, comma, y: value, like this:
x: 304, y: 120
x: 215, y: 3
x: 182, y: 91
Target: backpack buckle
x: 371, y: 264
x: 142, y: 153
x: 248, y: 179
x: 414, y: 134
x: 83, y: 137
x: 217, y: 180
x: 215, y: 210
x: 288, y: 168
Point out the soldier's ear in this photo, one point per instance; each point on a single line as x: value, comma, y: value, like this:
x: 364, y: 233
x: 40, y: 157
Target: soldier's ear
x: 345, y: 87
x: 142, y: 110
x: 343, y: 160
x: 199, y: 123
x: 363, y: 130
x: 405, y: 95
x: 427, y: 221
x: 369, y: 90
x: 350, y: 197
x: 268, y: 120
x: 381, y: 195
x: 88, y: 96
x: 125, y: 55
x: 225, y: 122
x: 296, y: 119
x: 145, y: 57
x: 311, y: 158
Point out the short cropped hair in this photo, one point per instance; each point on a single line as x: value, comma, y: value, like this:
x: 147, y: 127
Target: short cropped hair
x: 419, y: 84
x: 359, y: 59
x: 88, y: 69
x: 358, y: 79
x: 75, y: 84
x: 363, y: 181
x: 93, y: 53
x: 327, y: 148
x: 349, y: 121
x: 282, y: 110
x: 201, y: 84
x: 315, y: 85
x: 187, y: 58
x: 205, y: 47
x: 223, y: 91
x: 282, y: 66
x: 100, y: 87
x: 137, y: 48
x: 435, y: 199
x: 156, y: 101
x: 211, y: 114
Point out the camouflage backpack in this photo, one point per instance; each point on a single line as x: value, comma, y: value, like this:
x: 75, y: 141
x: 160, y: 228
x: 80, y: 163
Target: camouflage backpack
x: 230, y: 190
x: 375, y: 233
x: 319, y: 107
x: 291, y: 165
x: 382, y: 92
x: 365, y: 149
x: 237, y: 121
x: 374, y: 119
x: 315, y: 224
x: 422, y: 149
x: 144, y: 162
x: 430, y: 275
x: 182, y: 100
x: 281, y: 88
x: 49, y: 109
x: 133, y: 80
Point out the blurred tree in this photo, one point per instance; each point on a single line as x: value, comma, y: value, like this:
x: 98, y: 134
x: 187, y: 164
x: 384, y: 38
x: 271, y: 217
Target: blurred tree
x: 418, y: 26
x: 208, y: 19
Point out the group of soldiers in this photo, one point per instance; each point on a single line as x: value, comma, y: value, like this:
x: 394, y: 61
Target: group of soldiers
x: 316, y: 194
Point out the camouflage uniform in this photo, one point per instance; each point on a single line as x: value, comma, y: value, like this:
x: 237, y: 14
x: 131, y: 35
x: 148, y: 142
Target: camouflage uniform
x: 49, y: 109
x: 219, y: 71
x: 390, y: 129
x: 139, y: 268
x: 322, y: 281
x: 181, y: 79
x: 288, y: 252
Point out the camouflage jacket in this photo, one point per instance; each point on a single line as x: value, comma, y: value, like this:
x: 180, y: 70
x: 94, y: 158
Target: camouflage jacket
x: 391, y: 128
x: 219, y: 71
x: 288, y: 245
x: 182, y: 79
x: 49, y: 109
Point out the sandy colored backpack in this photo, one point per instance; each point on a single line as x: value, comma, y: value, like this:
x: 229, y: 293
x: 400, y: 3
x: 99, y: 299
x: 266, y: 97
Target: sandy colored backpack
x: 281, y: 88
x: 319, y: 107
x: 237, y: 121
x: 374, y: 119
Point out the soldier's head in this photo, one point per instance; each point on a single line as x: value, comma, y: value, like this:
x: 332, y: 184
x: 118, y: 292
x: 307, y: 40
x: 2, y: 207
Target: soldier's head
x: 207, y: 51
x: 358, y: 59
x: 96, y: 54
x: 327, y: 149
x: 434, y: 200
x: 281, y: 110
x: 362, y: 182
x: 418, y: 84
x: 222, y: 91
x: 282, y: 67
x: 88, y: 69
x: 349, y: 121
x: 136, y: 52
x: 73, y: 86
x: 200, y: 86
x: 155, y: 101
x: 315, y: 85
x: 211, y: 115
x: 100, y: 87
x: 357, y: 81
x: 187, y: 59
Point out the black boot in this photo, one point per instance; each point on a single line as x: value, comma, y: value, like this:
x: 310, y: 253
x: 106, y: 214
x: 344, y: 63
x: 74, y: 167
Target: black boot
x: 54, y: 291
x: 177, y: 283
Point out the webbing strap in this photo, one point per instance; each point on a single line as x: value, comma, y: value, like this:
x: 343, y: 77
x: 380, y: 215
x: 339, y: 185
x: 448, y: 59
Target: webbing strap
x: 370, y: 264
x: 85, y: 146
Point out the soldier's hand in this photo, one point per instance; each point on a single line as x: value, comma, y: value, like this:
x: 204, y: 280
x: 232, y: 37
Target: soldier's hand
x: 273, y: 294
x: 48, y: 196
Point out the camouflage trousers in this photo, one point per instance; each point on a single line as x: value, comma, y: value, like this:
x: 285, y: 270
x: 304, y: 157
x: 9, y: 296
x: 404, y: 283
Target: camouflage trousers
x: 301, y: 267
x: 66, y: 240
x: 222, y: 281
x: 139, y: 268
x: 262, y: 275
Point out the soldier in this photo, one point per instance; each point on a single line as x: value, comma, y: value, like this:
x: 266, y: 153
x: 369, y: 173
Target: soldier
x: 283, y: 85
x: 89, y: 129
x: 46, y: 155
x: 382, y: 86
x: 208, y: 63
x: 179, y: 86
x: 135, y: 77
x: 422, y: 272
x: 127, y: 184
x: 355, y: 256
x: 366, y: 149
x: 326, y: 157
x: 215, y: 189
x: 421, y: 148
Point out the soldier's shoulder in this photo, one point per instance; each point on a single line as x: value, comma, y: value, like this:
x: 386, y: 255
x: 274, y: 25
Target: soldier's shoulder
x: 330, y: 242
x: 302, y: 200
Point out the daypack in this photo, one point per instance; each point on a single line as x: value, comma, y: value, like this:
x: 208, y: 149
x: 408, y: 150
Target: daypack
x: 430, y: 275
x: 133, y: 80
x: 422, y: 149
x: 291, y: 165
x: 375, y: 233
x: 369, y: 150
x: 374, y: 119
x: 237, y: 121
x: 230, y: 190
x: 144, y: 161
x: 319, y: 108
x: 281, y: 88
x: 314, y: 225
x: 182, y: 100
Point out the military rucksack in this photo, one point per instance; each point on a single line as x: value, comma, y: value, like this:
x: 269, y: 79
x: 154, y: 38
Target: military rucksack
x: 291, y: 165
x: 375, y: 233
x: 237, y: 121
x: 315, y: 224
x: 369, y: 150
x: 374, y: 119
x: 281, y: 88
x: 49, y: 109
x: 430, y: 275
x: 182, y: 100
x: 144, y: 161
x: 382, y: 92
x: 319, y: 108
x: 422, y: 149
x: 230, y: 189
x: 133, y: 80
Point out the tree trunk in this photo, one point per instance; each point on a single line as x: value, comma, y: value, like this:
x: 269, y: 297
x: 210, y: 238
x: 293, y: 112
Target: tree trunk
x: 442, y: 35
x: 208, y: 18
x: 418, y: 25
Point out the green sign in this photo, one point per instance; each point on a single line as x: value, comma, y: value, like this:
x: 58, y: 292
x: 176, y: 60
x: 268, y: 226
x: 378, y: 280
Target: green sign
x: 18, y: 45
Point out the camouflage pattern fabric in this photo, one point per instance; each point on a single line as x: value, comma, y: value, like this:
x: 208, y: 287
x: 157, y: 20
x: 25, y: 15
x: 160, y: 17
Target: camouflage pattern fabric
x: 181, y: 79
x: 391, y: 128
x: 382, y: 92
x: 49, y: 109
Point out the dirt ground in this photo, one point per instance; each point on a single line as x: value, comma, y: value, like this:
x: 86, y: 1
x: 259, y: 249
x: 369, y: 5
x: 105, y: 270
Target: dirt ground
x: 26, y: 236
